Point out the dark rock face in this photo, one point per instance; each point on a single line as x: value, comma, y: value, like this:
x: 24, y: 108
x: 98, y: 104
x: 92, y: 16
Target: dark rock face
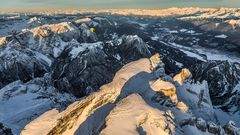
x: 20, y: 63
x: 74, y: 72
x: 4, y: 130
x: 86, y: 35
x: 132, y: 47
x: 201, y: 124
x: 231, y: 129
x: 95, y: 63
x: 190, y: 121
x: 222, y: 77
x: 212, y: 128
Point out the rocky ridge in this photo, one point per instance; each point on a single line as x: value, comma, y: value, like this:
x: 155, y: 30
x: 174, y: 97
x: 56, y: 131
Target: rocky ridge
x: 131, y: 79
x: 208, y: 19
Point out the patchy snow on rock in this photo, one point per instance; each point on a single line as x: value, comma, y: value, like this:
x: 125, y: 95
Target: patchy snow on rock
x: 76, y: 50
x: 34, y: 20
x: 57, y: 50
x: 42, y: 57
x: 82, y: 20
x: 155, y: 38
x: 221, y: 36
x: 190, y: 31
x: 84, y: 46
x: 173, y: 31
x: 191, y: 54
x: 117, y: 56
x: 236, y: 88
x: 180, y: 65
x: 183, y: 30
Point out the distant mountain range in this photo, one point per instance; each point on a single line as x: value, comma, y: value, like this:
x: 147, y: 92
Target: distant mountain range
x: 173, y: 71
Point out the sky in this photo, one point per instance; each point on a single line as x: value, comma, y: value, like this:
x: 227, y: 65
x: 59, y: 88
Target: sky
x: 111, y: 4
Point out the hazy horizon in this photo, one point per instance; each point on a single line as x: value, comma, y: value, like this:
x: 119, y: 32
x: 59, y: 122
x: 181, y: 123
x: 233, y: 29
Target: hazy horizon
x: 16, y: 5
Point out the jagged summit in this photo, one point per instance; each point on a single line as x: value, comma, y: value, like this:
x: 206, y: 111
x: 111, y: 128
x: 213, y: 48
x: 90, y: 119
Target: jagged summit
x: 133, y: 46
x: 144, y: 112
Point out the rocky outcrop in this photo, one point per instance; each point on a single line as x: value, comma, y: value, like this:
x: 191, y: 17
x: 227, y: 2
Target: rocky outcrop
x: 3, y: 40
x: 20, y: 63
x: 132, y: 46
x: 182, y: 76
x: 211, y: 127
x: 4, y: 130
x: 231, y: 129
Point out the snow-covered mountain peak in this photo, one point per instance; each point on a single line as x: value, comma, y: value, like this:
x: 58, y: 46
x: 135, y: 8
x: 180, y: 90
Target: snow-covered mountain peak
x: 142, y: 111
